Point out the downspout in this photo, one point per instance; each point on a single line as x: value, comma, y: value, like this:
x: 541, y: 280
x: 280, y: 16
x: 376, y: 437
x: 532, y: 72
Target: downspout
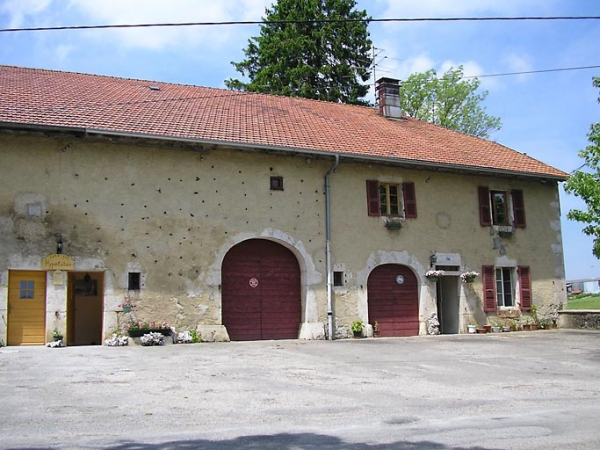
x: 328, y: 247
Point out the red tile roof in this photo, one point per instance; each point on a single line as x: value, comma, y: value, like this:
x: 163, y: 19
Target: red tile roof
x: 64, y: 99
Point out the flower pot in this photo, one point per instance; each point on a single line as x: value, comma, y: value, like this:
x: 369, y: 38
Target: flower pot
x: 496, y: 329
x: 138, y: 333
x: 472, y: 329
x: 357, y: 334
x: 481, y: 331
x: 432, y: 279
x: 57, y: 338
x: 526, y: 327
x: 126, y: 309
x: 506, y: 329
x: 487, y: 328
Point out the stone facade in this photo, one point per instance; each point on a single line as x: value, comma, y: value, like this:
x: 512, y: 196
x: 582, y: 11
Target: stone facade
x: 171, y: 213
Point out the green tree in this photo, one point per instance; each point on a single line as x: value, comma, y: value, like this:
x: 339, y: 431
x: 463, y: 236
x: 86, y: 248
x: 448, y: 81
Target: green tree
x: 307, y: 58
x: 449, y: 101
x: 586, y: 184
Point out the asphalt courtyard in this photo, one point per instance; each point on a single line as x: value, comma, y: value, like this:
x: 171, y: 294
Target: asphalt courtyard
x: 527, y: 390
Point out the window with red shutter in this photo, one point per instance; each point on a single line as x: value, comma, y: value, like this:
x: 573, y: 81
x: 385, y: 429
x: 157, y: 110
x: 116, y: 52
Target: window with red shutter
x: 489, y: 288
x: 373, y: 206
x: 518, y: 208
x: 410, y: 200
x: 525, y: 288
x: 485, y: 212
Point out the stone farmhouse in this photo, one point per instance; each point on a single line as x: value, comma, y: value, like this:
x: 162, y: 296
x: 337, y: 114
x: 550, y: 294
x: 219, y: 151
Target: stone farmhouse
x: 249, y: 216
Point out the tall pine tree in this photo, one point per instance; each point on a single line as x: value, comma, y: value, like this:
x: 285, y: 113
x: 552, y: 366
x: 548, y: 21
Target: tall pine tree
x: 296, y: 55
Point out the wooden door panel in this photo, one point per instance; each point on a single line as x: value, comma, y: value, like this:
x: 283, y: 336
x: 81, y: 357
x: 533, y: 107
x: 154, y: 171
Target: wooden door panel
x: 395, y: 307
x: 261, y: 291
x: 27, y: 308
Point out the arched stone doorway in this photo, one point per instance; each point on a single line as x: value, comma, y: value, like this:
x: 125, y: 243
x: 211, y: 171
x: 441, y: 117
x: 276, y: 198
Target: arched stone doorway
x: 261, y: 297
x: 393, y: 300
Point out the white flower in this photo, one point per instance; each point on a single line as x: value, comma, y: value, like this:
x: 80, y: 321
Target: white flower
x: 468, y: 276
x: 434, y: 273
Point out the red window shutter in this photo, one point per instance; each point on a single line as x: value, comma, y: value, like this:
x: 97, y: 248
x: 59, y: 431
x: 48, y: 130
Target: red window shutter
x: 518, y: 208
x: 410, y: 200
x: 373, y: 206
x: 525, y: 287
x: 485, y: 212
x: 489, y: 288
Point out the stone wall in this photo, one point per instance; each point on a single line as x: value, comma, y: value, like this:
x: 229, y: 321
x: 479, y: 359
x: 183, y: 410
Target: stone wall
x: 172, y: 214
x: 580, y: 319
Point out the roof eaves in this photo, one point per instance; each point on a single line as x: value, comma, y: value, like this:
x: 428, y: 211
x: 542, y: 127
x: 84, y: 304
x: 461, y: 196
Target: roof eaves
x: 413, y: 163
x: 398, y: 161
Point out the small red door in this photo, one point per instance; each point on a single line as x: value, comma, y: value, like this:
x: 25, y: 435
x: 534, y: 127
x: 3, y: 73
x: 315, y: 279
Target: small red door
x: 393, y: 300
x: 261, y: 291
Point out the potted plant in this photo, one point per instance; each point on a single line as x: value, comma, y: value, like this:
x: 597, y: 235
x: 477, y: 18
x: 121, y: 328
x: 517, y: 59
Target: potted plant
x: 57, y: 335
x: 534, y: 315
x: 496, y: 327
x: 527, y: 325
x: 472, y: 329
x: 433, y: 275
x: 357, y: 328
x: 139, y: 328
x: 469, y: 276
x: 126, y: 305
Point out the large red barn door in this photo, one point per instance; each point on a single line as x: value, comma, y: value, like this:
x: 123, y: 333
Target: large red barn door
x: 393, y: 300
x: 261, y: 291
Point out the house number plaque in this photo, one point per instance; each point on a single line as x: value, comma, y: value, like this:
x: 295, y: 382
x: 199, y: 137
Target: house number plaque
x: 253, y: 282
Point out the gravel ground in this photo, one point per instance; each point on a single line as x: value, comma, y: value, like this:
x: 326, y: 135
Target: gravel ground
x: 528, y: 390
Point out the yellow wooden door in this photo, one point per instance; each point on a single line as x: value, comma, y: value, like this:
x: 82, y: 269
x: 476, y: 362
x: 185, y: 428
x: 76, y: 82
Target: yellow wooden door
x: 26, y: 307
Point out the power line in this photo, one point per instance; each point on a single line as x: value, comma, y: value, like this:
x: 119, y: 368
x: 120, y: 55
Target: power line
x: 560, y: 69
x: 533, y: 71
x: 262, y: 22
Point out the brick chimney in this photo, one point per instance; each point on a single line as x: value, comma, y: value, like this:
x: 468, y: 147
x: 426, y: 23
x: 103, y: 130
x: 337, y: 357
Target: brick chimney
x: 388, y: 93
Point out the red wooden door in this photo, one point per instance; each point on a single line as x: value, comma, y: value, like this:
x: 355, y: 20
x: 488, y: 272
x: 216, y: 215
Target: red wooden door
x: 393, y: 300
x: 260, y: 291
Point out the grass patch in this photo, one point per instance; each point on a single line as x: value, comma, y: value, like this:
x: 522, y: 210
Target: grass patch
x: 584, y: 301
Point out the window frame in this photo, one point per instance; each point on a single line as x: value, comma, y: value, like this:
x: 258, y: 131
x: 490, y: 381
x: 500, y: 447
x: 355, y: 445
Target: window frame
x: 27, y: 290
x: 514, y: 207
x: 503, y: 210
x: 520, y: 283
x: 405, y: 198
x: 501, y: 293
x: 388, y: 200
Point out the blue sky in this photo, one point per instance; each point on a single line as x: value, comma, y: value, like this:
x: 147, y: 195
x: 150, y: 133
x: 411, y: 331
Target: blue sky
x: 545, y: 115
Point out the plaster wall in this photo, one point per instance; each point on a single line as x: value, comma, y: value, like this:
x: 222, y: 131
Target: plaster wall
x: 172, y: 215
x: 447, y: 223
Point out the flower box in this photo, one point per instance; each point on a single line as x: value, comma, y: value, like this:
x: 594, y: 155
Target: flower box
x: 142, y: 331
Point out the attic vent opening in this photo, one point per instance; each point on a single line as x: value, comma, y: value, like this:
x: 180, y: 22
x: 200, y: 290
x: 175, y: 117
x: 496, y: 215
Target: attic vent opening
x: 154, y: 88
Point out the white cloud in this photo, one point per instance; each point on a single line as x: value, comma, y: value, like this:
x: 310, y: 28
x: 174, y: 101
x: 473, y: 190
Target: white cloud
x: 174, y: 11
x: 471, y: 69
x: 518, y: 63
x: 454, y: 8
x: 63, y: 52
x: 17, y: 10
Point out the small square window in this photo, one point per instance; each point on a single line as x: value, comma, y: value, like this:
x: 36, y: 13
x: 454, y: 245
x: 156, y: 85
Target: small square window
x: 338, y: 278
x: 26, y: 289
x: 133, y: 283
x: 277, y: 183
